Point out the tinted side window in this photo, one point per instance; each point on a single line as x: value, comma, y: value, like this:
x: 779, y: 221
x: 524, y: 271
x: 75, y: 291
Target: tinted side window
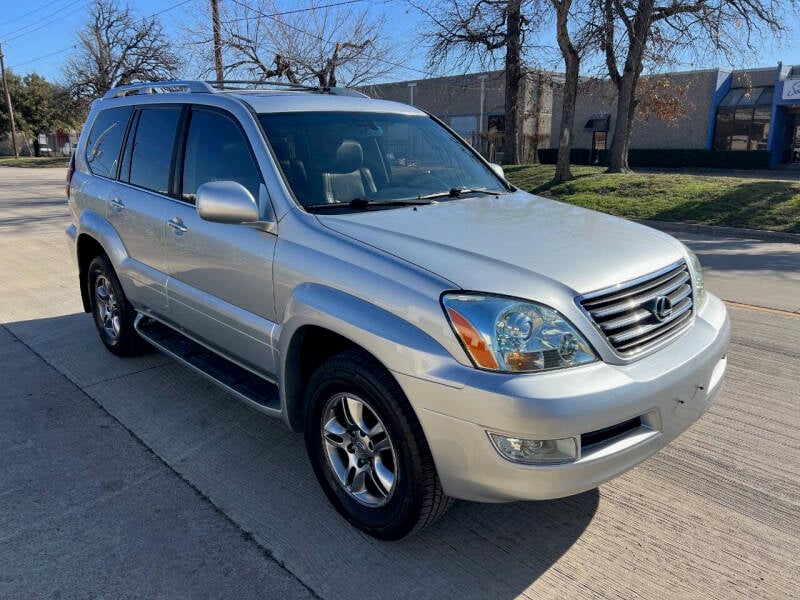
x: 105, y: 140
x: 217, y: 150
x: 152, y: 148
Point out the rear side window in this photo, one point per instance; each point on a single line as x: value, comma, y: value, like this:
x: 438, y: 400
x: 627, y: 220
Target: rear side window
x: 151, y: 156
x: 217, y: 150
x: 105, y: 141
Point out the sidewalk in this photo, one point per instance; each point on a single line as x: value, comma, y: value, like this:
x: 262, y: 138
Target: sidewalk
x: 749, y: 271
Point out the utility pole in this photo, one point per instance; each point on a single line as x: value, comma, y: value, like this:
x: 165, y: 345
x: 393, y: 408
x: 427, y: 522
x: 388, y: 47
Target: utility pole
x: 217, y: 40
x: 8, y: 104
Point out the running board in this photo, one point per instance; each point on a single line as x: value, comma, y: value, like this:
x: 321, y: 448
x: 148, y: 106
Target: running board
x: 237, y: 381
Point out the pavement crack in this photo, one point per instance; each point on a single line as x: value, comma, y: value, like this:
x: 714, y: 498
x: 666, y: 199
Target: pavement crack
x: 123, y: 375
x: 775, y: 311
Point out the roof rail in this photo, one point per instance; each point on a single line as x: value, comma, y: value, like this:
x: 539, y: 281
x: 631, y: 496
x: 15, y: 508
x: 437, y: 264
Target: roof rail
x: 232, y: 85
x: 158, y: 87
x: 244, y: 85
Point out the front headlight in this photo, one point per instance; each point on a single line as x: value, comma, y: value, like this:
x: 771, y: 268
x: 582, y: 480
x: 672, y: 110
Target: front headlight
x: 696, y: 271
x: 504, y: 334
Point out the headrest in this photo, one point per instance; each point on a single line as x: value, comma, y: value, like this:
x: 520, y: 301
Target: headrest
x: 281, y: 148
x: 349, y: 157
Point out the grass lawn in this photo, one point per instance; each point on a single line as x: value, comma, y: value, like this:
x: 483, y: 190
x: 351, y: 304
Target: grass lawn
x: 32, y: 161
x: 707, y: 200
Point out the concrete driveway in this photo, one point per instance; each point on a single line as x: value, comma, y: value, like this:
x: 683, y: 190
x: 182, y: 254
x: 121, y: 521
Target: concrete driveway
x: 137, y: 478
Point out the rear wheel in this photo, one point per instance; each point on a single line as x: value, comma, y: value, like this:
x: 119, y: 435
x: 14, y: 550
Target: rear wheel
x: 368, y: 450
x: 113, y: 314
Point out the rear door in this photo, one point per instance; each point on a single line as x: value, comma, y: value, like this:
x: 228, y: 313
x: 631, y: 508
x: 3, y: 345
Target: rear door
x: 92, y: 191
x: 137, y: 207
x: 220, y: 286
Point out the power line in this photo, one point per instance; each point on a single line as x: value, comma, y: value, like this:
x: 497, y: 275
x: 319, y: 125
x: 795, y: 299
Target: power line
x: 30, y: 12
x: 48, y: 18
x: 55, y: 19
x: 41, y: 57
x: 296, y: 10
x: 72, y: 46
x: 328, y: 41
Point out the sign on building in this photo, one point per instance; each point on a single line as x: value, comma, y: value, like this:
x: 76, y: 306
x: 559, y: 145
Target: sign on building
x: 791, y: 89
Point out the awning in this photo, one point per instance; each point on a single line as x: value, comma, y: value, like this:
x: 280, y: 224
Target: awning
x: 598, y: 122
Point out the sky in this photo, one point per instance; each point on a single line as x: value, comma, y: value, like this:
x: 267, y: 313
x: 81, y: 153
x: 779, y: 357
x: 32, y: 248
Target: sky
x: 37, y: 35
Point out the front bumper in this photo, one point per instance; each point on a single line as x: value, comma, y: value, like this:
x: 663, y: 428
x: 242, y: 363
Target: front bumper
x: 668, y: 390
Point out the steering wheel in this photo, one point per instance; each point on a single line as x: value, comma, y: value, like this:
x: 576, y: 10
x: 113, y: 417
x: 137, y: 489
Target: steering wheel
x: 423, y: 178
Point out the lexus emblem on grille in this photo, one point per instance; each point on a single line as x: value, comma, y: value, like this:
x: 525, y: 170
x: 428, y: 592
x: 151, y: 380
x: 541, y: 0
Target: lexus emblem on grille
x: 661, y: 308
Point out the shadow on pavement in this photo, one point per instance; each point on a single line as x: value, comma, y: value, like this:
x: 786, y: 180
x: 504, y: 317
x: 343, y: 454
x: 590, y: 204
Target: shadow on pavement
x: 733, y: 254
x: 256, y: 471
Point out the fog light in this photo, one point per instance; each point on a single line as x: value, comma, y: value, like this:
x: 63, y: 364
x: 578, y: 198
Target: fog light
x: 535, y: 452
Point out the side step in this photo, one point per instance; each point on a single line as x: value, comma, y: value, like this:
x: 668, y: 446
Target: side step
x: 241, y: 383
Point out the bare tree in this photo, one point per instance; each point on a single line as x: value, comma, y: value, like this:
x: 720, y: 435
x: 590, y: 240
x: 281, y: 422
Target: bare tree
x: 315, y: 44
x: 656, y: 31
x: 115, y: 48
x: 570, y: 94
x: 463, y: 31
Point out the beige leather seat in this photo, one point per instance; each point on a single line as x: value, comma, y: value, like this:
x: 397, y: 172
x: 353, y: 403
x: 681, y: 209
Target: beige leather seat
x: 344, y: 176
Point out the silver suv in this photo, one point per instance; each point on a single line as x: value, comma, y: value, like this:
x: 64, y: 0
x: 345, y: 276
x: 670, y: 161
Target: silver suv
x: 353, y: 267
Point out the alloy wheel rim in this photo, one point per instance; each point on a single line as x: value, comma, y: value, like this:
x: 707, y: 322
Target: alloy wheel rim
x: 359, y: 450
x: 108, y: 313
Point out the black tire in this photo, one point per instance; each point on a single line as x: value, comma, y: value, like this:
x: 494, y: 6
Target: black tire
x: 416, y: 498
x: 116, y: 331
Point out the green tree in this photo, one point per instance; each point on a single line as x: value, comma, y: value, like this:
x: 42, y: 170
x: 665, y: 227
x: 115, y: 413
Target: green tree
x: 39, y: 105
x: 14, y: 83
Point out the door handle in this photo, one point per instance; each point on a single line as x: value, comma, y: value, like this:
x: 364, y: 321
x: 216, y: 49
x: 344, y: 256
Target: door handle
x: 117, y: 204
x: 177, y: 225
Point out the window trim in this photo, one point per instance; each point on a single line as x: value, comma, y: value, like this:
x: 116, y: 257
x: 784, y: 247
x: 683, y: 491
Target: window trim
x: 130, y: 134
x: 180, y: 159
x: 120, y: 153
x: 138, y: 110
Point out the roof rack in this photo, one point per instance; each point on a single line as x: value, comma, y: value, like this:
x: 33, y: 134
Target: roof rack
x: 232, y: 85
x: 245, y: 85
x: 158, y: 87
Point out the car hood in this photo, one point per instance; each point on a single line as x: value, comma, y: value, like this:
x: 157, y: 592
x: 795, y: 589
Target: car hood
x: 508, y: 244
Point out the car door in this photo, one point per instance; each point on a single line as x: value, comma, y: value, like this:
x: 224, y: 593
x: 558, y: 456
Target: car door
x: 220, y: 286
x: 138, y: 203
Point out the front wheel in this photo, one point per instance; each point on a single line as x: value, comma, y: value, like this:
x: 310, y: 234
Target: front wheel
x: 368, y: 450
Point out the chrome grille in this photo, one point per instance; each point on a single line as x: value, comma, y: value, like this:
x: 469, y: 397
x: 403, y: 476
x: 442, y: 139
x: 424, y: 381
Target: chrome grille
x: 627, y: 316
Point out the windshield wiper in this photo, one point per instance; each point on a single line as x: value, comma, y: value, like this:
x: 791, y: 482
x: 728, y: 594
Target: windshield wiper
x: 456, y: 192
x: 362, y: 203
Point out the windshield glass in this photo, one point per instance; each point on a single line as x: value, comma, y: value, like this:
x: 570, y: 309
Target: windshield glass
x: 372, y: 158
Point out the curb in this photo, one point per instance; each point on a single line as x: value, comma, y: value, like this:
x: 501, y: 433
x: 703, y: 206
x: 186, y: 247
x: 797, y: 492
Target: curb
x: 719, y: 231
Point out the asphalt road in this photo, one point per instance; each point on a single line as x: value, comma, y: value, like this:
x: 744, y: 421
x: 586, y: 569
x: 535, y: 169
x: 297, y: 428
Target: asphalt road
x: 137, y: 478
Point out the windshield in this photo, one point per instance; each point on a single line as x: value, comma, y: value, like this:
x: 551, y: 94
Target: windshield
x: 357, y: 160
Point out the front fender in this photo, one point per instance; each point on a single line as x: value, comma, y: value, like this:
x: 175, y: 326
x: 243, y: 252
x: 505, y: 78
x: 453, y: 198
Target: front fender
x: 397, y: 344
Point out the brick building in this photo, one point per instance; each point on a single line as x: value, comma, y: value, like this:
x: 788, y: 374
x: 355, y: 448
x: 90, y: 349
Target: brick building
x: 739, y: 118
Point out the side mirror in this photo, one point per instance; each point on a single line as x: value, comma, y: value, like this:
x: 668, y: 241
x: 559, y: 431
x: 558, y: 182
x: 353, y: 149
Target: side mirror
x: 226, y: 202
x: 498, y: 170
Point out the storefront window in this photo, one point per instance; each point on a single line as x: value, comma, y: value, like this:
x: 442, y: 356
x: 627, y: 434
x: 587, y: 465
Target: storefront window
x: 740, y: 136
x: 723, y: 130
x: 760, y: 131
x: 743, y: 119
